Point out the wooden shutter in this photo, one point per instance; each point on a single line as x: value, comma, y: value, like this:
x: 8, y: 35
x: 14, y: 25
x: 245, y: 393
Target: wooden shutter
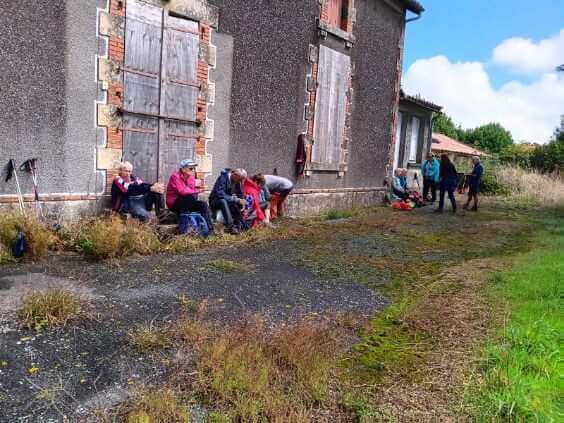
x: 334, y: 12
x: 179, y: 95
x: 161, y: 90
x: 332, y: 78
x: 142, y: 68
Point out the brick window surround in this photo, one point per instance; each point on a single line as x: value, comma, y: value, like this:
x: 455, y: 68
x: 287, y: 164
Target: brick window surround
x: 110, y: 75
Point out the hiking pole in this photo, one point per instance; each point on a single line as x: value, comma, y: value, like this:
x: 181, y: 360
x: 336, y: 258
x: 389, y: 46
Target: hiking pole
x: 30, y: 166
x: 13, y: 172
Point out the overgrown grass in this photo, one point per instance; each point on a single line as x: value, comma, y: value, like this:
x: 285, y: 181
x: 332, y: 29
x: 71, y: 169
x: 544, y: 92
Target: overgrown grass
x: 111, y: 237
x: 50, y: 308
x: 528, y: 186
x: 519, y: 378
x: 38, y: 237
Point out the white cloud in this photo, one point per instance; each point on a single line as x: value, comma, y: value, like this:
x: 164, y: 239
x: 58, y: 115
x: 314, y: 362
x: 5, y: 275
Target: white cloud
x: 531, y: 111
x: 523, y: 55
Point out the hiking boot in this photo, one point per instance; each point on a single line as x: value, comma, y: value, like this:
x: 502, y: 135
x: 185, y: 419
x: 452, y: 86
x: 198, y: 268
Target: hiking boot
x: 474, y: 209
x: 233, y: 230
x: 465, y: 207
x: 438, y: 211
x: 453, y: 210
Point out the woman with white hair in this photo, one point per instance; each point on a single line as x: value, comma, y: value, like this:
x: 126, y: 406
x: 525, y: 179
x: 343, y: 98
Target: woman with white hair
x: 399, y: 184
x: 182, y: 192
x: 131, y: 195
x: 474, y: 183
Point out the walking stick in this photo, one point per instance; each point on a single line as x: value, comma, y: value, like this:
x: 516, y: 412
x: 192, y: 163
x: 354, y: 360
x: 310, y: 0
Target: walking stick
x: 12, y: 172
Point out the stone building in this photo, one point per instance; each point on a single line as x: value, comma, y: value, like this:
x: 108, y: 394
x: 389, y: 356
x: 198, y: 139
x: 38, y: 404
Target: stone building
x: 87, y: 83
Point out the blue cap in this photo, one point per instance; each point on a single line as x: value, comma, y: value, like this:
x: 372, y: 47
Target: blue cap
x: 187, y: 163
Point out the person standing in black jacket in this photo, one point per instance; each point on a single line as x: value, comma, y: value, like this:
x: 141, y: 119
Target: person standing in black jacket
x: 447, y: 183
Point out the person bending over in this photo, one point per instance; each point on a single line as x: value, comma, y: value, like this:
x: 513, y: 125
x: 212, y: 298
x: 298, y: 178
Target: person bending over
x: 227, y: 198
x: 264, y: 197
x: 182, y: 192
x: 279, y: 189
x: 131, y: 195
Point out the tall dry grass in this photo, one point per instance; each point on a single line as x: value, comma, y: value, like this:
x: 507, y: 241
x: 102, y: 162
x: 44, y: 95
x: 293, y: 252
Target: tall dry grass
x: 530, y: 186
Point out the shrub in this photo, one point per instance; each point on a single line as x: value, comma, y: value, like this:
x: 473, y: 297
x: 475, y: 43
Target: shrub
x: 38, y: 237
x: 490, y: 185
x: 111, y: 237
x: 51, y: 308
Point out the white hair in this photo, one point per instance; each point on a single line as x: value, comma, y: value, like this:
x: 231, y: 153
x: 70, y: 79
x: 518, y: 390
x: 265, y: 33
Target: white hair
x: 125, y: 166
x: 241, y: 172
x: 477, y: 158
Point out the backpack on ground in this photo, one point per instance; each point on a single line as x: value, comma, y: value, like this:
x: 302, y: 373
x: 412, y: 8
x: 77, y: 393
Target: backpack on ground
x: 193, y: 224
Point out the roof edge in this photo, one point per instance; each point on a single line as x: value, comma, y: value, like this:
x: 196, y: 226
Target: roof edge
x: 413, y: 6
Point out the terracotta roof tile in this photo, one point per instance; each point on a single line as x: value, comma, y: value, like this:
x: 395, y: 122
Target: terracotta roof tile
x: 443, y: 143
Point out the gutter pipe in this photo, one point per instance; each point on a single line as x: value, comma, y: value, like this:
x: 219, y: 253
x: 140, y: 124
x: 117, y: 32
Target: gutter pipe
x: 414, y: 18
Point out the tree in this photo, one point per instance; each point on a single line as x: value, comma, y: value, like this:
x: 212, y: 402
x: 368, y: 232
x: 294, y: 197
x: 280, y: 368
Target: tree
x: 492, y: 138
x: 443, y: 124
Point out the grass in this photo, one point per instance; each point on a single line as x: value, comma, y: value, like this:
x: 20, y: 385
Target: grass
x: 227, y: 266
x: 519, y: 378
x: 339, y: 214
x: 530, y: 187
x: 55, y: 307
x: 38, y: 237
x: 158, y: 406
x: 148, y: 338
x: 112, y: 237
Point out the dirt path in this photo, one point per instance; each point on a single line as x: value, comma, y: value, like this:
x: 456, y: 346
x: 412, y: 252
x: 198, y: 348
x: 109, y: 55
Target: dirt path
x: 331, y: 267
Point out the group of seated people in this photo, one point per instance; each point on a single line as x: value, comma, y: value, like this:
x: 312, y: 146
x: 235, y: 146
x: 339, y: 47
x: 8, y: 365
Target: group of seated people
x: 242, y: 202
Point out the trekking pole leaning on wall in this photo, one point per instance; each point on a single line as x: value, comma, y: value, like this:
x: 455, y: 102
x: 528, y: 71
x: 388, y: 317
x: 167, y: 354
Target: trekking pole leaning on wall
x: 12, y: 172
x: 30, y: 166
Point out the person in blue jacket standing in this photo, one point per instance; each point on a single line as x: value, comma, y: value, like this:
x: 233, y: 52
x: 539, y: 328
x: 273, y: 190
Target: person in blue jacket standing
x: 447, y: 183
x: 474, y: 183
x: 431, y: 176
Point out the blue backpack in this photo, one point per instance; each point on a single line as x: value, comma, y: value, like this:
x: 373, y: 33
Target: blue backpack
x: 193, y: 224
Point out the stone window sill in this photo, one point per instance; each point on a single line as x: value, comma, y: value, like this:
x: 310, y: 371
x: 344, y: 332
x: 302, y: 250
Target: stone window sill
x: 337, y: 32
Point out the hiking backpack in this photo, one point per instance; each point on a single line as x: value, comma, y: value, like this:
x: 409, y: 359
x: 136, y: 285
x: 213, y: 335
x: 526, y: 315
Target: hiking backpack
x: 193, y: 224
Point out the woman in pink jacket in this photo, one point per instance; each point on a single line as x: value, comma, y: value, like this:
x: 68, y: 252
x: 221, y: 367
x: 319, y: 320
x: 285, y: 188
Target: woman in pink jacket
x: 182, y: 192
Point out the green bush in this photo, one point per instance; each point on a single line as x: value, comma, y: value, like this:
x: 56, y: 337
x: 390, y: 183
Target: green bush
x: 490, y: 185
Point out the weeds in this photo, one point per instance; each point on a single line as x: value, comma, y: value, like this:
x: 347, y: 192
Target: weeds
x: 148, y: 338
x: 38, y: 237
x: 111, y: 237
x: 339, y: 214
x: 154, y: 407
x: 51, y: 308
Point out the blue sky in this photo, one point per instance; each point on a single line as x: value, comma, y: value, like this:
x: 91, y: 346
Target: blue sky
x: 490, y: 61
x: 468, y: 30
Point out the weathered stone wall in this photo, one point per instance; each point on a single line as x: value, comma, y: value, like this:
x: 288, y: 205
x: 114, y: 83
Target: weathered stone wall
x: 307, y: 203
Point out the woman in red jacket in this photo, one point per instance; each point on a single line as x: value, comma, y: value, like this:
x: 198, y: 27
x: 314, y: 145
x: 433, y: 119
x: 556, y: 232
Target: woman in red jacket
x: 182, y: 192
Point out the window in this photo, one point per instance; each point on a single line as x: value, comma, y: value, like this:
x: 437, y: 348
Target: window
x: 414, y: 144
x: 398, y: 140
x: 333, y: 77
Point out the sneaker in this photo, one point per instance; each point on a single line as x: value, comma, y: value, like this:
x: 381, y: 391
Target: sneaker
x: 233, y: 230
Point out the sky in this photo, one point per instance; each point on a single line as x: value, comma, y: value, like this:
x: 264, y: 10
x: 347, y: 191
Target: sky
x: 490, y: 61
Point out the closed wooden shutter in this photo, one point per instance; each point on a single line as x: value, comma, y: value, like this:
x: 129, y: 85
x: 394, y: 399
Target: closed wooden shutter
x: 334, y: 12
x: 333, y: 77
x: 160, y: 90
x: 142, y: 68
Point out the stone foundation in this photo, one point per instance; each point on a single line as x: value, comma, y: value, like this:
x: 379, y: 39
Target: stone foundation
x: 313, y: 202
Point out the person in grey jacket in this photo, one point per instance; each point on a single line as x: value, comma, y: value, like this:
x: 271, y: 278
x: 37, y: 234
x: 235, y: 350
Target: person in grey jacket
x: 279, y: 188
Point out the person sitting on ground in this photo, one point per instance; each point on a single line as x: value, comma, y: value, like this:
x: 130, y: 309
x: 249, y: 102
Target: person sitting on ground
x: 182, y: 192
x: 264, y: 197
x: 227, y: 198
x: 447, y: 183
x: 474, y: 183
x: 399, y: 184
x: 131, y: 195
x: 431, y: 175
x: 279, y: 189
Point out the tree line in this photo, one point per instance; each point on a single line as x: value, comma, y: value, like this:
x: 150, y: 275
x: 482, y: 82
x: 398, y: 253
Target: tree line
x: 497, y: 141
